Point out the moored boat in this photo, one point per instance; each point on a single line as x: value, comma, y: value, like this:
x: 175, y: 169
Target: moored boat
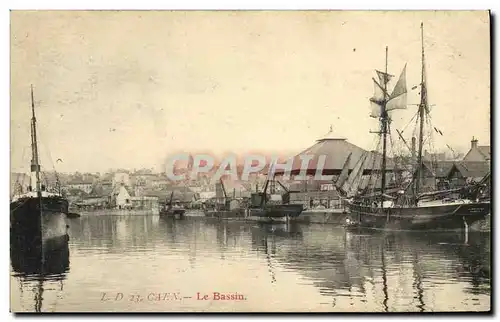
x: 273, y: 206
x: 276, y: 211
x: 407, y: 208
x: 172, y: 209
x: 440, y: 215
x: 224, y: 207
x: 173, y: 212
x: 37, y: 216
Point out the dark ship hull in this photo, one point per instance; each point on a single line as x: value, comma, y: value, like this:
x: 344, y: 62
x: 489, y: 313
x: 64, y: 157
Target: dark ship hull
x: 172, y: 213
x: 38, y: 220
x: 438, y: 217
x: 277, y: 211
x: 37, y: 258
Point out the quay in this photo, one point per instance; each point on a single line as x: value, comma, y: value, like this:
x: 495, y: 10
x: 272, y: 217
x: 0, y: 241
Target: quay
x: 144, y: 192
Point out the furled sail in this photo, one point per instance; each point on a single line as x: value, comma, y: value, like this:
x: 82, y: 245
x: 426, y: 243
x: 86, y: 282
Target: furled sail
x: 357, y: 179
x: 378, y: 99
x: 272, y: 170
x: 350, y: 186
x: 424, y: 95
x: 344, y: 174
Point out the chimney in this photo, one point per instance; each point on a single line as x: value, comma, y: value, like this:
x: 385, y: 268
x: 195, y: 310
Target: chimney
x: 473, y: 143
x: 413, y: 147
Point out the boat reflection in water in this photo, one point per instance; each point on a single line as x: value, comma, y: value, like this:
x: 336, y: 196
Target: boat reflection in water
x: 300, y: 267
x: 385, y: 271
x: 40, y: 270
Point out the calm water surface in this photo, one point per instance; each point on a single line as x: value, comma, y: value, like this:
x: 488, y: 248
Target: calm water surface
x: 144, y: 263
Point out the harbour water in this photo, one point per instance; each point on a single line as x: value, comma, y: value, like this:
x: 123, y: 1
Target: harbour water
x: 147, y: 264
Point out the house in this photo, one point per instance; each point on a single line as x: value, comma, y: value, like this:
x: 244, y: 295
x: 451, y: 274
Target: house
x: 435, y: 175
x: 160, y: 182
x: 143, y: 177
x: 121, y: 197
x: 464, y: 172
x: 439, y: 156
x: 478, y: 152
x: 121, y: 178
x: 83, y: 185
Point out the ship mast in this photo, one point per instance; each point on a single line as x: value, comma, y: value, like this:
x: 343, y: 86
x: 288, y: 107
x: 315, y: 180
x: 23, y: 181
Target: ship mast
x: 421, y: 110
x: 384, y: 118
x: 381, y: 104
x: 35, y: 165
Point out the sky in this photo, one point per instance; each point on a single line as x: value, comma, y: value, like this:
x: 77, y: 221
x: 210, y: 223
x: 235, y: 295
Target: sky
x: 124, y: 89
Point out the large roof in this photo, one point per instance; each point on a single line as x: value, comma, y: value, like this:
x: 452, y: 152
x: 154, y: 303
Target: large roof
x: 336, y: 149
x: 439, y: 169
x: 471, y: 169
x: 485, y: 150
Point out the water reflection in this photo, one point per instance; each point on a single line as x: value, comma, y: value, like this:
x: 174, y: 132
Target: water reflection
x: 115, y: 234
x: 397, y: 268
x: 40, y: 269
x: 339, y: 270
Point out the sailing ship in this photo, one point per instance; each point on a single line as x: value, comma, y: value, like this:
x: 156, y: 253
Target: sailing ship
x: 38, y: 217
x: 404, y: 207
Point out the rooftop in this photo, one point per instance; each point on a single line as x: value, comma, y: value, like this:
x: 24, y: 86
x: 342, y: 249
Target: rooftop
x: 485, y: 150
x: 331, y: 135
x: 472, y: 169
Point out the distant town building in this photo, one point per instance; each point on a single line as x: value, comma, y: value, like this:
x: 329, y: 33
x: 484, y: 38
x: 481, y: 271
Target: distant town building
x: 478, y: 152
x: 160, y: 182
x: 143, y: 178
x: 122, y: 198
x: 435, y: 175
x: 439, y: 156
x: 83, y: 185
x: 464, y: 172
x: 102, y: 189
x: 121, y: 178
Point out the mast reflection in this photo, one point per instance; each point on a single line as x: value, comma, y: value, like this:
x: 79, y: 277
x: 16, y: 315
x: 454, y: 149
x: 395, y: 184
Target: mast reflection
x: 37, y: 264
